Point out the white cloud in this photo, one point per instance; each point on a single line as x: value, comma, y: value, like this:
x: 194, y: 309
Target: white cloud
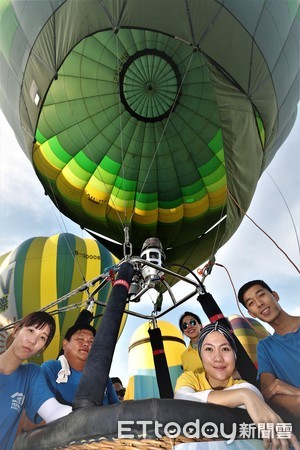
x: 25, y: 210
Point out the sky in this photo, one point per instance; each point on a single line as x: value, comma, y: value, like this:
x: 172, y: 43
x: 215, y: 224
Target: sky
x: 26, y: 212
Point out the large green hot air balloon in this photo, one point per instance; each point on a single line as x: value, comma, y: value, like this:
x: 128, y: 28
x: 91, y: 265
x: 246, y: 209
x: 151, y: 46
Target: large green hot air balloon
x: 153, y: 114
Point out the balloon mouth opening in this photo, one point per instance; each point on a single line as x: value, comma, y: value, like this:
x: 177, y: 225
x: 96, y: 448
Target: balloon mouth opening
x: 150, y: 85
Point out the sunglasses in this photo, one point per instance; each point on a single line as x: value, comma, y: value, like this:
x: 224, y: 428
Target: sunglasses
x: 190, y: 322
x: 121, y: 392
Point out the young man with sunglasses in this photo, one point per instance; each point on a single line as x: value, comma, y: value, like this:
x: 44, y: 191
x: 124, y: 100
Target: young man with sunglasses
x: 191, y: 326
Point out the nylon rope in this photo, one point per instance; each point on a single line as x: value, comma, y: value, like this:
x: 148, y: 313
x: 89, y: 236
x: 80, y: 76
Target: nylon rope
x: 237, y: 302
x: 263, y: 231
x: 289, y: 211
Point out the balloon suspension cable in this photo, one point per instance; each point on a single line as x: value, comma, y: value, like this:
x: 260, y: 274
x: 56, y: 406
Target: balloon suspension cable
x: 263, y: 231
x: 153, y: 321
x: 206, y: 269
x: 288, y: 208
x: 63, y: 309
x: 237, y: 301
x: 90, y: 303
x: 216, y: 247
x: 127, y: 246
x: 150, y: 272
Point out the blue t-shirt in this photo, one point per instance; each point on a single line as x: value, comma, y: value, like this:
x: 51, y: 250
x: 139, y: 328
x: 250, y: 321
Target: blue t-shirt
x: 280, y: 355
x: 25, y: 388
x: 65, y: 392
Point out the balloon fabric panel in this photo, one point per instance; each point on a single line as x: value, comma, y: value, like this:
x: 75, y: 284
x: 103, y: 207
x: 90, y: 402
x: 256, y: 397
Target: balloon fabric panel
x: 142, y: 116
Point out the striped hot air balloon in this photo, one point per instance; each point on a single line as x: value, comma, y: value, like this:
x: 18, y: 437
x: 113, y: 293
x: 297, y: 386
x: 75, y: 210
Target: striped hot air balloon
x: 249, y: 332
x: 42, y: 270
x: 142, y: 376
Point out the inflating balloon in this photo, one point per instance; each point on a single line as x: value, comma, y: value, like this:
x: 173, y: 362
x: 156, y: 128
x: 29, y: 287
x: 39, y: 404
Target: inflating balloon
x: 249, y: 332
x: 43, y: 269
x: 142, y: 376
x: 145, y: 113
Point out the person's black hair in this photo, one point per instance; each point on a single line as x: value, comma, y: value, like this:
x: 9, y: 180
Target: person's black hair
x: 188, y: 313
x: 39, y: 319
x: 77, y: 327
x: 116, y: 380
x: 247, y: 286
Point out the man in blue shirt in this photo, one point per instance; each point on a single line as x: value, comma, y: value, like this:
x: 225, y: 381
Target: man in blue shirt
x: 63, y: 375
x: 278, y: 355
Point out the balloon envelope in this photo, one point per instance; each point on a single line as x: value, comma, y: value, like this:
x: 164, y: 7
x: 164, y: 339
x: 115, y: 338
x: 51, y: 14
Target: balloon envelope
x: 249, y: 332
x: 43, y: 269
x: 145, y: 114
x: 142, y: 381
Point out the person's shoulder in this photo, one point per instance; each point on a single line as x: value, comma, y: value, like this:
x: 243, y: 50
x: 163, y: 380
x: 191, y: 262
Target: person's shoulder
x: 51, y: 363
x: 265, y: 341
x: 29, y: 371
x: 190, y: 347
x: 30, y: 368
x: 51, y: 367
x: 188, y: 374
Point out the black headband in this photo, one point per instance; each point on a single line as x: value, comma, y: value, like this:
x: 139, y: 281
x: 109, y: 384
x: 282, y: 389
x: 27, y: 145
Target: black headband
x: 216, y: 326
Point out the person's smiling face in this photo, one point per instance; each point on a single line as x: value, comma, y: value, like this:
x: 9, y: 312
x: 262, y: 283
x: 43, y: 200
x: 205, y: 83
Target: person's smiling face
x: 218, y: 359
x: 191, y: 328
x: 262, y: 304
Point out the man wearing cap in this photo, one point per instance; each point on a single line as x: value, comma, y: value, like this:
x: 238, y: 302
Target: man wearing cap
x: 191, y: 325
x: 63, y: 375
x: 278, y: 355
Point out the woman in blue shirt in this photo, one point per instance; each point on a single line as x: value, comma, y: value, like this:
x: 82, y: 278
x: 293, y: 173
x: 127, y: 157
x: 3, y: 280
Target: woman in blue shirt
x: 23, y: 386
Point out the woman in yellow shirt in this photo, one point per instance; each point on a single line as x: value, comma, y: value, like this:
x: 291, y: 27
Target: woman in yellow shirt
x: 218, y: 353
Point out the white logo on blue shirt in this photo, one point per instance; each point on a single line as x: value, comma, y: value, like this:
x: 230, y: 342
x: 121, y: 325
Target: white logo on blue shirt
x: 17, y: 400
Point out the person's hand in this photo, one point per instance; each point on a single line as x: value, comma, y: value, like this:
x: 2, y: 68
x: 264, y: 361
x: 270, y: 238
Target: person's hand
x: 279, y: 387
x: 260, y: 412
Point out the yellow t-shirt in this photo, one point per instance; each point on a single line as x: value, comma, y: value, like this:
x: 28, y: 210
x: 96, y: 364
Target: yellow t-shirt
x: 190, y: 360
x: 198, y: 381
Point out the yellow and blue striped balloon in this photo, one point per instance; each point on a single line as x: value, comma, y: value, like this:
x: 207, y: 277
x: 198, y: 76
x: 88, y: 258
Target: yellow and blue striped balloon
x: 142, y: 376
x: 43, y: 269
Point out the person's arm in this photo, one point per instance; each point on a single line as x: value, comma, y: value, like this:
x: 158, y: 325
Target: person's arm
x: 280, y: 394
x: 188, y: 393
x: 257, y: 409
x: 51, y: 409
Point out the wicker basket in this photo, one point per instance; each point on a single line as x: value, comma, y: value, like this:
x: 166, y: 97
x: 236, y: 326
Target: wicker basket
x: 163, y: 443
